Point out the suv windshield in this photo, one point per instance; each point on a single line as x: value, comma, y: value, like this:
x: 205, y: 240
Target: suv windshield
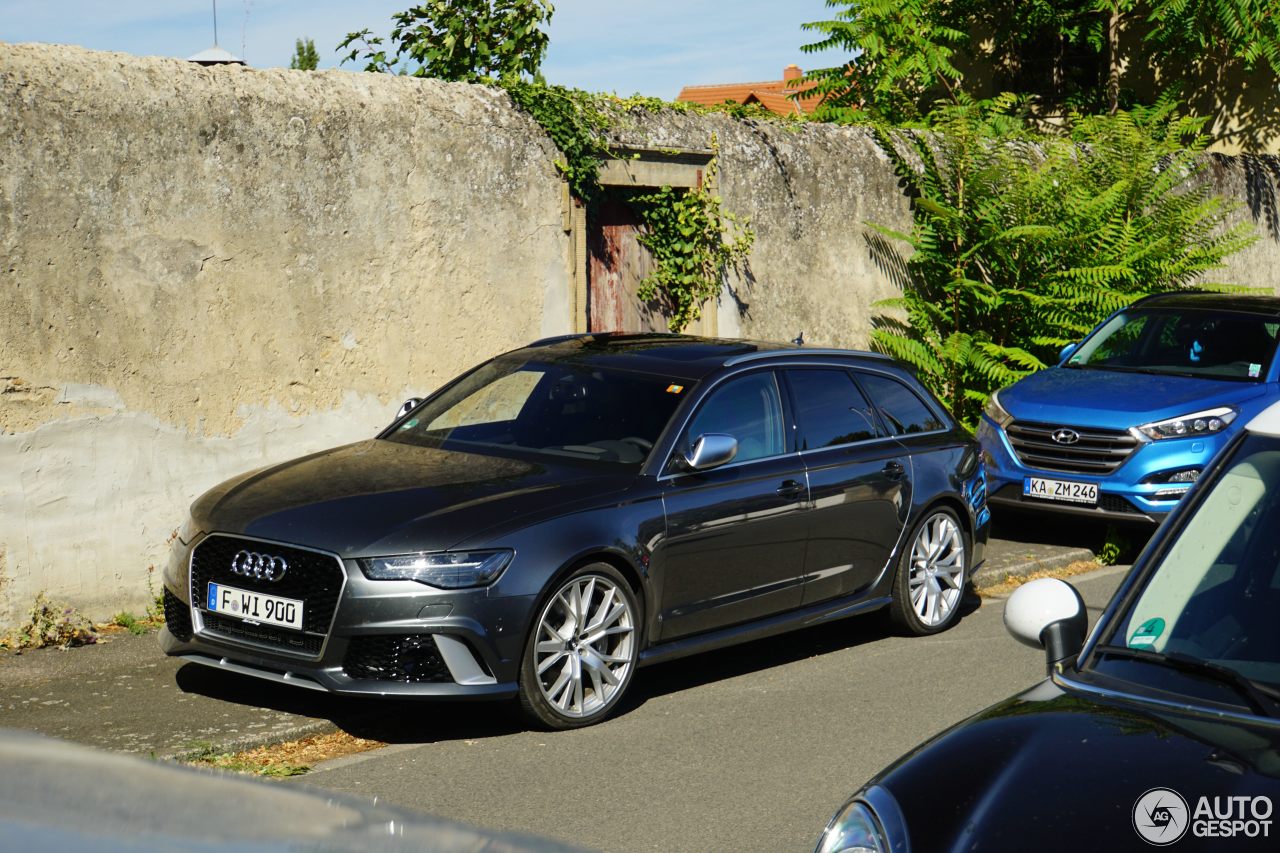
x: 557, y: 409
x: 1184, y: 342
x: 1215, y: 595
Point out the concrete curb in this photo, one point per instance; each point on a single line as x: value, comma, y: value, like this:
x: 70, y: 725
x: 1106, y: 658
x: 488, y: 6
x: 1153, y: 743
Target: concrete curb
x: 245, y: 743
x: 989, y: 575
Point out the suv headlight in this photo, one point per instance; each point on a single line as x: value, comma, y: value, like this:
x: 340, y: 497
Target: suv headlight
x: 1208, y: 422
x: 997, y: 412
x: 443, y: 569
x: 854, y: 829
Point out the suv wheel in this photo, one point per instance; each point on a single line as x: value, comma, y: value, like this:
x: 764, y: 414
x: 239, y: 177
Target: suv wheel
x: 931, y: 575
x: 581, y: 653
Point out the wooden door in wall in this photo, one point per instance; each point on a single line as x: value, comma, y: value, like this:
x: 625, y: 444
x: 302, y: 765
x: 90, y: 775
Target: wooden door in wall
x: 616, y: 264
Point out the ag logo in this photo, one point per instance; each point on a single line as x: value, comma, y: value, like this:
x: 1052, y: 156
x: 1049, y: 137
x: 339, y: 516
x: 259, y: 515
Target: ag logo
x: 1160, y: 816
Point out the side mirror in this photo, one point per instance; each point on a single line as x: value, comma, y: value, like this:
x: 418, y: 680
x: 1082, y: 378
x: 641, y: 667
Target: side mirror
x: 711, y: 451
x: 408, y: 406
x: 1065, y: 352
x: 1048, y: 614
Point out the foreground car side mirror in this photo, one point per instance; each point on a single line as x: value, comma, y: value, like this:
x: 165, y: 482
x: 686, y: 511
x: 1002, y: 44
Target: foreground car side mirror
x: 408, y: 406
x: 1048, y: 614
x: 711, y: 451
x: 1066, y: 352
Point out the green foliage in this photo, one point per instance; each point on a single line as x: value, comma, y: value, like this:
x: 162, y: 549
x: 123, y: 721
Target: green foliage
x: 469, y: 40
x: 1248, y: 30
x: 130, y: 623
x: 576, y: 122
x: 205, y: 754
x: 1022, y: 242
x: 51, y: 624
x: 1113, y: 547
x: 305, y: 57
x: 902, y: 50
x: 694, y: 242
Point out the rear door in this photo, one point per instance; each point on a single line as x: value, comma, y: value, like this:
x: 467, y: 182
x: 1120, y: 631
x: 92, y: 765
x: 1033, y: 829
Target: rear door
x: 859, y: 482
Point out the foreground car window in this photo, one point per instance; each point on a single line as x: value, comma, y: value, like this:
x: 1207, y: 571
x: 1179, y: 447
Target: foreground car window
x: 1213, y: 344
x: 750, y: 410
x: 1215, y: 595
x: 594, y: 414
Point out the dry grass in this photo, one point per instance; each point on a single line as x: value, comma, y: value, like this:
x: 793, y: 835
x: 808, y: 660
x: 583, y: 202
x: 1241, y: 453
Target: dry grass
x: 291, y: 758
x: 1008, y: 585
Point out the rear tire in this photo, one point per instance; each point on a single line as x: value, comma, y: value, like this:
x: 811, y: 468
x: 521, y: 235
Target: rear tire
x: 931, y: 575
x: 581, y: 650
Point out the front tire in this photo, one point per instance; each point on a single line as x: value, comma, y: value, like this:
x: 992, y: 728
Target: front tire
x: 581, y: 651
x: 931, y: 575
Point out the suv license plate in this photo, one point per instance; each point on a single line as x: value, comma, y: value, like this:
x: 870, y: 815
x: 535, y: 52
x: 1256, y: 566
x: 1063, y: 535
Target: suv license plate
x: 254, y: 606
x: 1060, y: 490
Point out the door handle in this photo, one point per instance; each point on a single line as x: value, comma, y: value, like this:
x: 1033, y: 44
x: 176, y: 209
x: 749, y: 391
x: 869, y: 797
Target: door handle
x: 893, y: 470
x: 790, y: 489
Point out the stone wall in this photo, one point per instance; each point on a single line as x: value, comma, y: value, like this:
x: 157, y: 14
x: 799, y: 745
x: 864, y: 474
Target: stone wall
x: 203, y: 271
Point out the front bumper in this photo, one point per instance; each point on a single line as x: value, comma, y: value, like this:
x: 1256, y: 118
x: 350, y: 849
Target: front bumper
x: 1123, y: 495
x: 386, y: 638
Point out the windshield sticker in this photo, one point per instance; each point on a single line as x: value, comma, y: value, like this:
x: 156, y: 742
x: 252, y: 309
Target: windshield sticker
x: 1147, y: 634
x: 1255, y: 370
x: 1196, y: 349
x: 674, y: 389
x: 411, y: 424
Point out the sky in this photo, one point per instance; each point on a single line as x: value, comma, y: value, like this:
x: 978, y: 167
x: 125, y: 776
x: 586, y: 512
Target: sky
x: 653, y: 47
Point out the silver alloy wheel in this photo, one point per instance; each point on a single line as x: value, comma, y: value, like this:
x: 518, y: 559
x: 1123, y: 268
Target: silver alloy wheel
x: 585, y: 646
x: 937, y: 569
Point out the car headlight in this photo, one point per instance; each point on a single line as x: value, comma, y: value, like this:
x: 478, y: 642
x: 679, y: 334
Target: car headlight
x: 1208, y: 422
x: 854, y: 829
x: 443, y: 569
x: 997, y: 412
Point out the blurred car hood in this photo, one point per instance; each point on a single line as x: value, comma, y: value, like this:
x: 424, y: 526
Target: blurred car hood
x: 1114, y: 400
x: 1054, y: 770
x: 382, y: 497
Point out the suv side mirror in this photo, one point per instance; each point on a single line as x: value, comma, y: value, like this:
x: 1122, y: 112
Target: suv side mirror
x: 408, y: 406
x: 1048, y: 614
x: 711, y: 451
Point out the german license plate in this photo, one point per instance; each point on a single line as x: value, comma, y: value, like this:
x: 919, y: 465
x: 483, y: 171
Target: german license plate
x: 1060, y: 490
x: 254, y: 607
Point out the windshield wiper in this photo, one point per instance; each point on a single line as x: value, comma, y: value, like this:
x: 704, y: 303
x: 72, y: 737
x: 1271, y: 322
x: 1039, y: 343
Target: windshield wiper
x: 1262, y: 698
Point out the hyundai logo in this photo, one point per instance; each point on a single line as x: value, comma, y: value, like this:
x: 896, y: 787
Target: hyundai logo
x: 1066, y: 436
x: 260, y: 566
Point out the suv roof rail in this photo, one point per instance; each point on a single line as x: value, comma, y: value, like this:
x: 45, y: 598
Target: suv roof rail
x: 558, y: 339
x: 804, y: 351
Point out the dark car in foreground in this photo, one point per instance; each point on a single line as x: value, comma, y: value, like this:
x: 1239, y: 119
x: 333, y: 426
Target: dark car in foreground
x: 1131, y: 415
x: 565, y: 513
x: 1163, y: 728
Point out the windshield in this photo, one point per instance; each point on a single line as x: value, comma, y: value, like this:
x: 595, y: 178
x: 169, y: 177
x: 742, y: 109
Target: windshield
x: 1184, y: 342
x: 552, y: 409
x: 1215, y: 595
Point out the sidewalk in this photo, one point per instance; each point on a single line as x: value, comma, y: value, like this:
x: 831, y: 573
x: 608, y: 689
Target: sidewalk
x: 125, y: 695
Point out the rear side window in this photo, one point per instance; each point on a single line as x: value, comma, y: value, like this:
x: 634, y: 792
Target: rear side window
x: 750, y: 410
x: 902, y: 408
x: 830, y: 409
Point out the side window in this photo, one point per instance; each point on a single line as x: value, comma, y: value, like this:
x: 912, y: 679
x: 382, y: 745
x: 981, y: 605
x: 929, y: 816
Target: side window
x: 830, y: 409
x: 750, y: 410
x: 904, y: 411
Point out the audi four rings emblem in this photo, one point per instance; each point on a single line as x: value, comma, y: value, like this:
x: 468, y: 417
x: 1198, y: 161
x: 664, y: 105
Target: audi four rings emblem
x: 261, y: 566
x: 1066, y: 436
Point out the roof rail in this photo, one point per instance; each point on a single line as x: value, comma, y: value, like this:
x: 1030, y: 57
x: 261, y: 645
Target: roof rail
x: 804, y: 351
x: 559, y: 339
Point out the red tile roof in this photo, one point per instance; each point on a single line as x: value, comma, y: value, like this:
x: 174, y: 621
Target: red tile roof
x: 773, y: 95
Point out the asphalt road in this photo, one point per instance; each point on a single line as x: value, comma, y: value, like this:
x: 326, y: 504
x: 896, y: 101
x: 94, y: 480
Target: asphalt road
x: 750, y: 748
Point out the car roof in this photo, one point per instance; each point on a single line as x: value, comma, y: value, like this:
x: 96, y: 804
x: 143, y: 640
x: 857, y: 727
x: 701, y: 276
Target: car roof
x: 684, y: 356
x: 1252, y: 303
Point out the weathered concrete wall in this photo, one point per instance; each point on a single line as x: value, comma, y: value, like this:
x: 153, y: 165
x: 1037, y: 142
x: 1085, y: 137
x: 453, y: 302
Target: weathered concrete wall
x: 204, y: 271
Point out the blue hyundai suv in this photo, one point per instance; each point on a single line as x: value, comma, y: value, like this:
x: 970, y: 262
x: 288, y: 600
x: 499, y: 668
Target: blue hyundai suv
x: 1130, y: 416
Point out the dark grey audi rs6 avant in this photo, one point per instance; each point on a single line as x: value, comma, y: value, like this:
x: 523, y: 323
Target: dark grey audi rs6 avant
x: 560, y: 515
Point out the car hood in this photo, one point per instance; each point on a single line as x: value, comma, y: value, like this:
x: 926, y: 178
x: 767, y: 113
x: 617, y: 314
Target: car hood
x: 382, y: 497
x: 1113, y: 400
x: 1055, y: 770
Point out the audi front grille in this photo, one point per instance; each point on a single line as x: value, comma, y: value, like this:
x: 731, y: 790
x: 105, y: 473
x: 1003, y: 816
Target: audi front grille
x: 1095, y: 451
x: 313, y: 577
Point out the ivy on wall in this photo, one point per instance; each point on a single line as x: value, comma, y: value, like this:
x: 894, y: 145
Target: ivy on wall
x: 694, y: 241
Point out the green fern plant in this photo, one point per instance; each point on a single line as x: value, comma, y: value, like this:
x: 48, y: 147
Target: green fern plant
x: 1022, y: 242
